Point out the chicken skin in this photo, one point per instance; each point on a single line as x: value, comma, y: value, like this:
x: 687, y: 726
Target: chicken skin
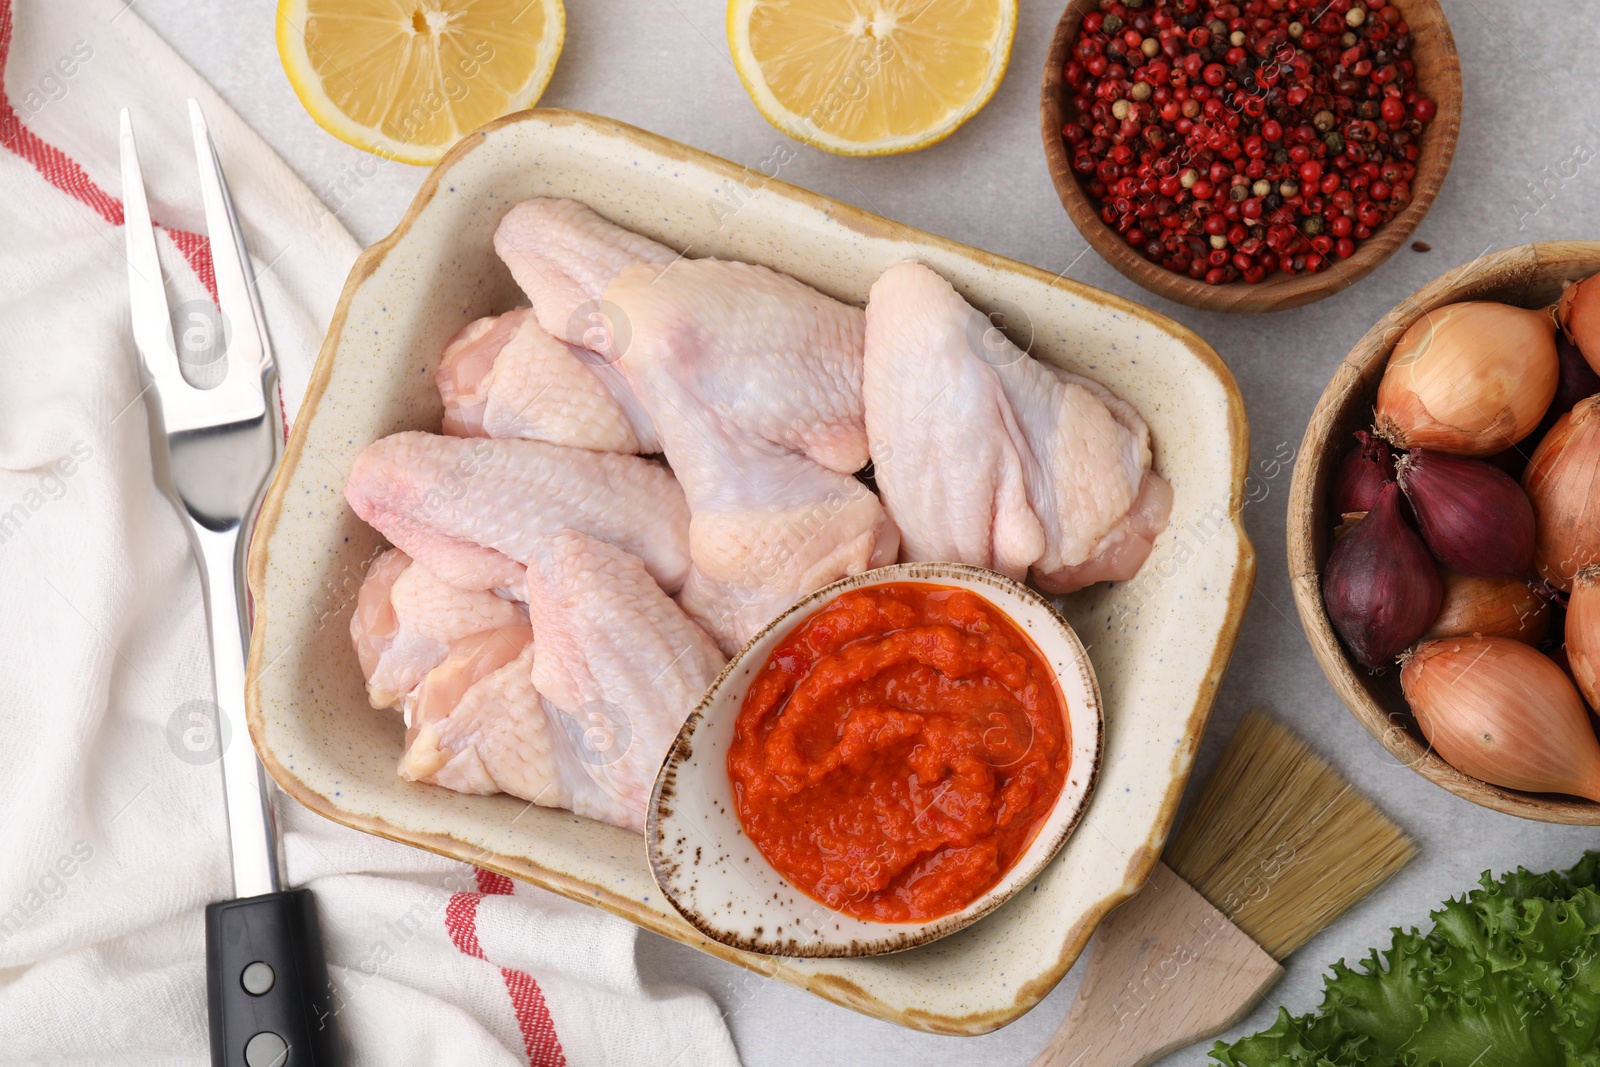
x: 507, y: 377
x: 564, y: 255
x: 406, y: 619
x: 947, y: 453
x: 987, y: 456
x: 579, y: 717
x: 470, y: 510
x: 619, y: 662
x: 753, y: 381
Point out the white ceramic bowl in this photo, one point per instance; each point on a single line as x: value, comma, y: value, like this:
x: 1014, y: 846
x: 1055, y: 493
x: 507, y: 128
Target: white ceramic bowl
x: 1159, y: 643
x: 717, y: 878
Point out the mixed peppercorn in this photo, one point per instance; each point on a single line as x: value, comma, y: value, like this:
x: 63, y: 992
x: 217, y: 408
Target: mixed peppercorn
x: 1231, y: 140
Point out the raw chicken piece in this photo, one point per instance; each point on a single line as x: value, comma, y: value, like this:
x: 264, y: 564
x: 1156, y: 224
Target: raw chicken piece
x: 950, y: 473
x: 467, y: 359
x: 619, y: 661
x: 406, y: 619
x: 479, y: 728
x: 494, y: 738
x: 757, y: 352
x: 471, y: 509
x: 754, y: 383
x: 507, y: 377
x: 467, y: 662
x: 1090, y: 480
x: 947, y: 454
x: 563, y: 255
x: 784, y: 527
x: 1122, y: 550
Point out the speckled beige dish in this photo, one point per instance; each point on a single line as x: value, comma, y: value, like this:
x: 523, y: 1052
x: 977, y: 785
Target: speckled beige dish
x: 1159, y: 643
x: 717, y: 878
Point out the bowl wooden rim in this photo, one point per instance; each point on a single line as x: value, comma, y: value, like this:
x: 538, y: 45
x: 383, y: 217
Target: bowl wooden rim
x: 1442, y: 76
x: 1521, y: 275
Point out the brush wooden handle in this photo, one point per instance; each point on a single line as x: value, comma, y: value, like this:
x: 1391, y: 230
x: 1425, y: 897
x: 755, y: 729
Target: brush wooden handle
x: 1168, y: 969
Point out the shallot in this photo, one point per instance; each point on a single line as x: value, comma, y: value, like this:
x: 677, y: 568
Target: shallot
x: 1364, y: 472
x: 1474, y: 517
x: 1380, y: 586
x: 1468, y: 379
x: 1563, y: 481
x: 1502, y: 712
x: 1580, y: 317
x: 1583, y: 634
x: 1491, y: 607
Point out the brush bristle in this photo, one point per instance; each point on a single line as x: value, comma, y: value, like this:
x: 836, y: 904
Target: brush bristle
x: 1280, y: 843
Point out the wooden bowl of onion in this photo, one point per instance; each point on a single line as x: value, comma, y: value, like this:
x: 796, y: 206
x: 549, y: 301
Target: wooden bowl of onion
x: 1249, y: 164
x: 1444, y: 531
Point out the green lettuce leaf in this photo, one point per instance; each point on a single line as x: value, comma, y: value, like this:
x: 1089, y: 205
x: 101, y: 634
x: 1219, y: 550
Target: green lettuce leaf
x: 1509, y: 974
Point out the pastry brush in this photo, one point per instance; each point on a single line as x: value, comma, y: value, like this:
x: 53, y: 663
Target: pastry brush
x: 1276, y: 848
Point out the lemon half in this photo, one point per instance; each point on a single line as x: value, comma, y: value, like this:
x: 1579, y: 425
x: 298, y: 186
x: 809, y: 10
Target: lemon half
x: 870, y: 77
x: 407, y: 78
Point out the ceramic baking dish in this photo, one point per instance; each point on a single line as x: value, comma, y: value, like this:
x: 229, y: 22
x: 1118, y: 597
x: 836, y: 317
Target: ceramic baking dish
x: 1159, y: 643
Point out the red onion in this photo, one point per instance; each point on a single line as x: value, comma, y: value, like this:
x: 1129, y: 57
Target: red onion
x: 1380, y: 586
x: 1363, y: 473
x: 1474, y: 517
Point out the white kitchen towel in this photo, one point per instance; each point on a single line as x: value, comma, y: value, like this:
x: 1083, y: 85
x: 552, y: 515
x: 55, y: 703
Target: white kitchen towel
x: 111, y: 835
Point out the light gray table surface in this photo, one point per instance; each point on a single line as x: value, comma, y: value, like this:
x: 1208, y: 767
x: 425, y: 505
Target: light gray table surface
x: 663, y: 65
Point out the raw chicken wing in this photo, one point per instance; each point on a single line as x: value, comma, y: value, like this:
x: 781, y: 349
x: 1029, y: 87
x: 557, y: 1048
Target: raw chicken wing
x: 754, y: 382
x: 563, y: 255
x: 619, y: 661
x: 947, y: 454
x: 1090, y: 481
x: 970, y: 434
x: 479, y: 726
x: 406, y: 619
x: 507, y: 377
x: 471, y: 509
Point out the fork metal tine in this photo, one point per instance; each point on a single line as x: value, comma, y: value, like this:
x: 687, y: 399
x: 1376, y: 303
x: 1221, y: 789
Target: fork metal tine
x: 152, y: 319
x: 240, y: 395
x: 246, y: 353
x: 247, y: 268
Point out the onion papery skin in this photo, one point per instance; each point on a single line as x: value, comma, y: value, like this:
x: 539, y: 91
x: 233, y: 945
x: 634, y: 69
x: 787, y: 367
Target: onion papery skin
x: 1579, y: 312
x: 1583, y: 634
x: 1563, y: 482
x: 1501, y: 712
x: 1469, y: 379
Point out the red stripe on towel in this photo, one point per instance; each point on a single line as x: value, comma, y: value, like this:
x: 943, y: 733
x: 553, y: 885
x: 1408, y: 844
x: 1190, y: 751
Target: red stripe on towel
x: 539, y: 1038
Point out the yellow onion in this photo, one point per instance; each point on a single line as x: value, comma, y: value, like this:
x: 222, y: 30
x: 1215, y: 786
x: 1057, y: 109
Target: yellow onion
x: 1490, y: 607
x: 1580, y: 317
x: 1583, y: 634
x: 1563, y: 481
x: 1469, y: 379
x: 1502, y: 712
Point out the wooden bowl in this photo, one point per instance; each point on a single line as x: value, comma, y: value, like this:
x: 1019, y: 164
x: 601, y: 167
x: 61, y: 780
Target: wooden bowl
x: 1438, y: 73
x: 1528, y: 276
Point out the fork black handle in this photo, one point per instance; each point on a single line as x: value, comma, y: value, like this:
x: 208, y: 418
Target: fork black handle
x: 267, y: 984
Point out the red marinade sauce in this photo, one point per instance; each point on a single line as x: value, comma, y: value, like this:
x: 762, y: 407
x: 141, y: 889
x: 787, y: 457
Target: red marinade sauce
x: 899, y: 750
